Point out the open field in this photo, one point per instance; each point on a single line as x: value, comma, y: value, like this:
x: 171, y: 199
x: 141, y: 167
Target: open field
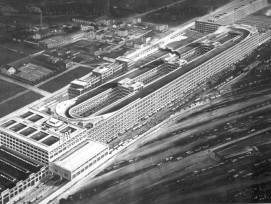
x: 20, y: 46
x: 18, y: 102
x: 63, y: 80
x: 8, y: 89
x: 8, y: 56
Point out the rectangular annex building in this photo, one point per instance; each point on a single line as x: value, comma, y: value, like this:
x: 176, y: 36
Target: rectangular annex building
x: 39, y: 136
x: 79, y: 159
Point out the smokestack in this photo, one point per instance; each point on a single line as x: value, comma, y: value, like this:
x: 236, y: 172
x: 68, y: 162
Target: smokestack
x: 40, y: 19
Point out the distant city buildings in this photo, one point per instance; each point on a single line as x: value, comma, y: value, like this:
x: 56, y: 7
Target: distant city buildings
x: 161, y: 28
x: 65, y: 39
x: 122, y: 32
x: 83, y: 21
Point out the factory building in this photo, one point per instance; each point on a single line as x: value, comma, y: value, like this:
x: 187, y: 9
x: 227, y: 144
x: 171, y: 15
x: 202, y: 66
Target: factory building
x: 59, y: 142
x: 79, y: 159
x: 172, y: 86
x: 39, y: 136
x: 230, y: 15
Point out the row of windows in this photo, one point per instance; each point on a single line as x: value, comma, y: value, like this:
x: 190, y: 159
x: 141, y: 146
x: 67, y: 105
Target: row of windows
x: 15, y: 141
x: 190, y: 79
x: 67, y: 145
x: 88, y: 165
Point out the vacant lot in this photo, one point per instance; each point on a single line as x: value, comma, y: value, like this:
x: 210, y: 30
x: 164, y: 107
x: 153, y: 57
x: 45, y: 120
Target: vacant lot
x: 8, y: 56
x: 20, y: 46
x: 18, y: 103
x: 63, y: 80
x: 8, y: 89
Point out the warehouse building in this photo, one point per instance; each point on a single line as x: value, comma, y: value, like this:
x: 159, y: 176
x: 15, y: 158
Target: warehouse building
x: 81, y: 158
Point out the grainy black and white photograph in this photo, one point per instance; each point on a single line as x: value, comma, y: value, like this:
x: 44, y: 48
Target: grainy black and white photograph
x: 135, y: 101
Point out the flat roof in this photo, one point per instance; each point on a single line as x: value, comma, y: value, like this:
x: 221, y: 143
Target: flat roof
x: 100, y: 70
x: 124, y: 59
x: 114, y: 83
x: 176, y: 74
x: 31, y: 126
x: 79, y: 82
x: 79, y: 155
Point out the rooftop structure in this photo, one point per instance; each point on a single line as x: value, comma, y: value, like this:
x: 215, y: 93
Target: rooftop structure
x: 130, y: 85
x: 99, y: 76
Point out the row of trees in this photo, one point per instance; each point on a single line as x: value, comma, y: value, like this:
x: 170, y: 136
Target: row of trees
x: 78, y: 8
x: 178, y: 13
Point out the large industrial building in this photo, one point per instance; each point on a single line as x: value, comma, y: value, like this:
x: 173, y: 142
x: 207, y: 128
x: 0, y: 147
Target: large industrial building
x: 79, y: 159
x: 74, y: 138
x: 119, y: 105
x: 239, y: 9
x: 38, y: 136
x: 60, y: 140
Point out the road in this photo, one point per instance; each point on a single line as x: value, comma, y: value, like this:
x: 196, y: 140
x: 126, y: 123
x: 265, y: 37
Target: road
x: 76, y: 65
x: 15, y: 96
x: 29, y: 87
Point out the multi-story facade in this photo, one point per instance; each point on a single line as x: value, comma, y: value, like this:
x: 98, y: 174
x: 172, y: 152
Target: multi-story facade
x: 79, y: 86
x: 181, y: 81
x: 239, y: 10
x: 100, y: 75
x: 38, y: 136
x: 211, y: 56
x: 81, y: 158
